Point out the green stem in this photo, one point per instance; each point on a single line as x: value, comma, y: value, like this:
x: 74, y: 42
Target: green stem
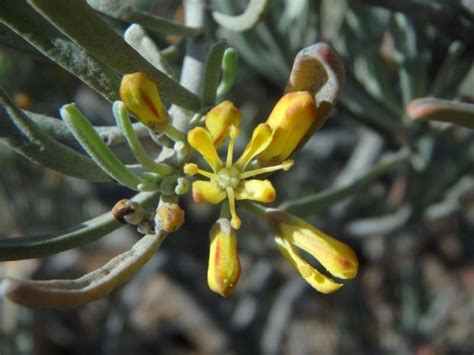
x: 85, y: 134
x: 175, y: 134
x: 123, y: 122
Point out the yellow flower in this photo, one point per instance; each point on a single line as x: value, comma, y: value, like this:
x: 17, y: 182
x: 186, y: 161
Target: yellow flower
x: 229, y: 179
x: 270, y: 146
x: 140, y: 95
x: 224, y: 265
x: 336, y: 257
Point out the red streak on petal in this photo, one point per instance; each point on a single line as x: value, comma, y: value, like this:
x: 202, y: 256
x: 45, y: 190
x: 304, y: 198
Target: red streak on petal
x: 149, y: 104
x: 197, y: 197
x: 271, y: 197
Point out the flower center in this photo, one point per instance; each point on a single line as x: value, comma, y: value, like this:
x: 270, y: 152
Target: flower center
x: 228, y: 177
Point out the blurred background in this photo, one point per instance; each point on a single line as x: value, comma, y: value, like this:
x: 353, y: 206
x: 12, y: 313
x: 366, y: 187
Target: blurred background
x: 412, y: 228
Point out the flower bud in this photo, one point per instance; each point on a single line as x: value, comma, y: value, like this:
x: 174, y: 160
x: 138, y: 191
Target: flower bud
x: 128, y: 211
x: 220, y: 119
x: 140, y: 95
x: 224, y: 265
x: 169, y: 217
x: 336, y: 257
x: 290, y: 120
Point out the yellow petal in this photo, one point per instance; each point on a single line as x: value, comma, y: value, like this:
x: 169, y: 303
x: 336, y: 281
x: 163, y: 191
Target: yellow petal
x: 219, y: 120
x: 261, y: 138
x: 290, y: 120
x: 224, y: 265
x: 257, y: 190
x: 336, y: 257
x: 317, y: 280
x: 140, y: 95
x: 207, y: 191
x: 201, y: 140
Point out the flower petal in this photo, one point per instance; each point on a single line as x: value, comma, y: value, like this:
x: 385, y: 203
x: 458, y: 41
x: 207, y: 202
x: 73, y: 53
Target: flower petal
x: 201, y: 140
x: 257, y: 190
x: 317, y: 280
x: 207, y: 191
x: 219, y: 120
x: 336, y: 257
x: 224, y: 265
x: 290, y: 120
x: 261, y: 138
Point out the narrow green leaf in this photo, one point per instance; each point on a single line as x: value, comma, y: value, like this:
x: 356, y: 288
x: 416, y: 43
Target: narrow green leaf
x: 84, y: 26
x: 95, y: 285
x: 429, y: 108
x: 212, y: 73
x: 136, y: 36
x: 322, y: 200
x: 22, y: 19
x: 245, y: 21
x: 10, y: 39
x: 58, y: 130
x: 24, y: 136
x: 411, y: 57
x: 229, y: 71
x: 131, y: 14
x: 86, y: 232
x: 85, y: 134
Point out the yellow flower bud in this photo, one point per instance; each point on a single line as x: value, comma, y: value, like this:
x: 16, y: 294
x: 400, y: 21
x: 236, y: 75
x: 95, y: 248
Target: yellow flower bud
x: 224, y: 264
x: 140, y: 94
x: 336, y: 257
x: 220, y: 119
x: 169, y: 217
x: 290, y: 120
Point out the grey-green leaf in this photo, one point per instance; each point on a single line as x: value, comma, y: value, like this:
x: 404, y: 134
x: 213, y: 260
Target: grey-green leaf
x: 85, y: 134
x: 322, y: 200
x: 58, y: 130
x: 130, y: 14
x: 212, y: 73
x: 429, y: 108
x: 245, y: 21
x: 24, y: 136
x: 84, y: 26
x: 86, y: 232
x: 22, y: 19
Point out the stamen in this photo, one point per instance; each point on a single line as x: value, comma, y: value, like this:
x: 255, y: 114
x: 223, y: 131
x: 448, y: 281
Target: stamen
x: 235, y: 220
x: 286, y: 165
x: 208, y: 174
x: 192, y: 169
x: 233, y: 133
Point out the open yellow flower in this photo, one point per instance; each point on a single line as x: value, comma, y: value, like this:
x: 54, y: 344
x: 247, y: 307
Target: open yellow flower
x: 271, y: 144
x: 232, y: 179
